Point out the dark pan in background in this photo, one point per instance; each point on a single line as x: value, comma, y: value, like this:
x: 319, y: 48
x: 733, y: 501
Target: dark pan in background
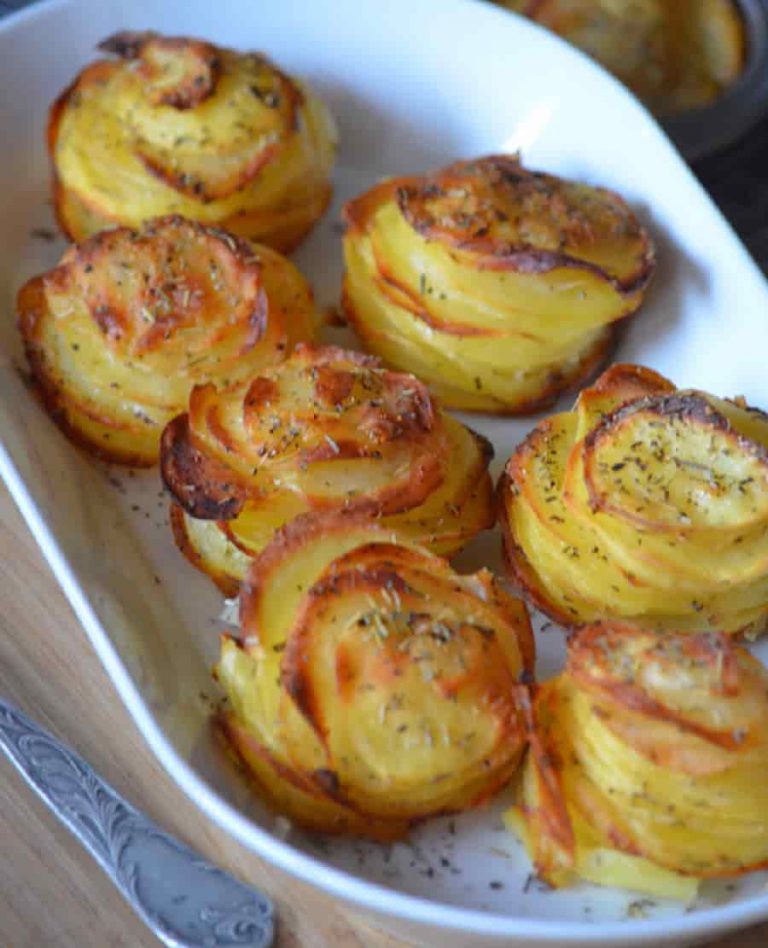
x: 734, y: 168
x: 705, y: 131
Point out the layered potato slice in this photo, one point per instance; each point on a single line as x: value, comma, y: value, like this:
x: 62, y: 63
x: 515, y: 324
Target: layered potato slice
x: 647, y: 763
x: 498, y: 286
x: 326, y: 429
x: 372, y: 687
x: 130, y: 321
x: 178, y: 125
x: 674, y: 56
x: 646, y: 503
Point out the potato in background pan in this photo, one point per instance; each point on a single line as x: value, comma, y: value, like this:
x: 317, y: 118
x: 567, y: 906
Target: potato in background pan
x: 674, y: 54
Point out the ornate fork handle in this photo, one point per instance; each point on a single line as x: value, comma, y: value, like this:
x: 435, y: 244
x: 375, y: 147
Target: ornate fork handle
x: 184, y: 899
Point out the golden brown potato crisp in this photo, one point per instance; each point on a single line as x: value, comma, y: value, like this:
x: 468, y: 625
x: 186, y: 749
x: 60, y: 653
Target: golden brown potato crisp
x: 131, y: 320
x: 498, y: 286
x: 177, y: 125
x: 371, y: 686
x: 645, y: 503
x: 326, y: 429
x: 647, y: 763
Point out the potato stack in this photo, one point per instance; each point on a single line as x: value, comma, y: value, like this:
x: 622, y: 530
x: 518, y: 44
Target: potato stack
x: 326, y: 429
x: 372, y: 686
x: 131, y: 321
x: 644, y: 502
x: 498, y: 286
x: 173, y: 125
x: 647, y: 763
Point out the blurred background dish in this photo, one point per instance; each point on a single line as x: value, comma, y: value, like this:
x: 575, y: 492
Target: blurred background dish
x: 700, y: 65
x: 673, y: 54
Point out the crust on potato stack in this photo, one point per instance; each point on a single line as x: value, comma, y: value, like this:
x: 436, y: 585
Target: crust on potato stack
x: 326, y: 429
x: 647, y: 763
x: 371, y: 686
x: 118, y: 334
x: 646, y: 503
x: 177, y: 125
x: 498, y: 286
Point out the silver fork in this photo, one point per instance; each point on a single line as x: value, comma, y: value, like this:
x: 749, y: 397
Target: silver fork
x: 180, y: 896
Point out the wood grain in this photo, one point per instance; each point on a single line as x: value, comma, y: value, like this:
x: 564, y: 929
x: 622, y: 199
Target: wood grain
x: 51, y: 892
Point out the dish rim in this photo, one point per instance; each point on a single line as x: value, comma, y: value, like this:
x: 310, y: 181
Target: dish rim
x: 347, y: 887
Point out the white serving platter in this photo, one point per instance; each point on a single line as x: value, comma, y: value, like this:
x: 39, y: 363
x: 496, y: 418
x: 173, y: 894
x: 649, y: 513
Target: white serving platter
x: 413, y: 83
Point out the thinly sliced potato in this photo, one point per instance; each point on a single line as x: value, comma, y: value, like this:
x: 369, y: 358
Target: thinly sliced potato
x: 646, y: 763
x: 326, y: 429
x: 372, y: 680
x: 643, y: 503
x: 178, y: 125
x: 130, y: 321
x: 498, y: 286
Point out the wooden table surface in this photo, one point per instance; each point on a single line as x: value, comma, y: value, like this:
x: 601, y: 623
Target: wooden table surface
x: 52, y: 895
